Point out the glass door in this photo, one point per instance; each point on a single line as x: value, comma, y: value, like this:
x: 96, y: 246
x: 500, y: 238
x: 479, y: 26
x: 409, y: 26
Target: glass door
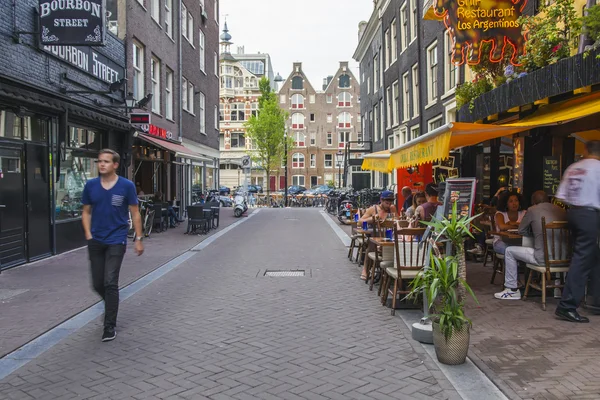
x: 12, y: 207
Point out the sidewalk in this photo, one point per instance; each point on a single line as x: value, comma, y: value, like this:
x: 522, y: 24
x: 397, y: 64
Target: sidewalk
x: 36, y: 297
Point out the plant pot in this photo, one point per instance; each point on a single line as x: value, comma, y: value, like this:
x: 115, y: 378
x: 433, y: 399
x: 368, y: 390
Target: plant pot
x: 454, y: 350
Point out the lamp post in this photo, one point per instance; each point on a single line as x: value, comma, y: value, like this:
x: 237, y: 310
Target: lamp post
x: 285, y: 191
x: 340, y: 158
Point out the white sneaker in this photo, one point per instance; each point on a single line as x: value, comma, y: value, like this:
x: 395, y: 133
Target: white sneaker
x: 508, y: 294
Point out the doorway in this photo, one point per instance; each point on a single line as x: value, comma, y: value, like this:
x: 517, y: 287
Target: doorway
x: 12, y: 210
x: 38, y: 202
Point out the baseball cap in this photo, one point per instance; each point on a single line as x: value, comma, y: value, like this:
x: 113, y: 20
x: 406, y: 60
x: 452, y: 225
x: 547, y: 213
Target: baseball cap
x: 387, y: 195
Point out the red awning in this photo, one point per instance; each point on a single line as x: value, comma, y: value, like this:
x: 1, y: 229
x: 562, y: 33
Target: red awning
x: 179, y: 150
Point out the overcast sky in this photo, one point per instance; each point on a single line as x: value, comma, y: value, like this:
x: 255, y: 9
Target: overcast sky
x: 320, y: 33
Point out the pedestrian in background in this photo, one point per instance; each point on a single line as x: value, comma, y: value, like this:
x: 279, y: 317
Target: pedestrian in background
x: 105, y: 218
x: 580, y: 189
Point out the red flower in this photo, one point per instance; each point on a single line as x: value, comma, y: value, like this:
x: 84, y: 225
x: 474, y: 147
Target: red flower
x: 557, y: 48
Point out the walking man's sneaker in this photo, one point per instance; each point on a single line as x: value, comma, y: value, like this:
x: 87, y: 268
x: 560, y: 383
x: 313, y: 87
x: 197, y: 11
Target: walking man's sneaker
x: 109, y: 334
x: 508, y: 294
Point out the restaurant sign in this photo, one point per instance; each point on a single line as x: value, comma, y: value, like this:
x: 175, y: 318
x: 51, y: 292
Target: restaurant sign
x: 470, y: 23
x: 72, y: 22
x: 419, y: 153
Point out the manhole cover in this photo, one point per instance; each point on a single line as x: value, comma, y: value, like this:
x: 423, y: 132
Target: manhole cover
x: 284, y: 274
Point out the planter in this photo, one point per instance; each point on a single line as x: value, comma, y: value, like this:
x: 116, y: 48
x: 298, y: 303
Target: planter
x: 454, y: 350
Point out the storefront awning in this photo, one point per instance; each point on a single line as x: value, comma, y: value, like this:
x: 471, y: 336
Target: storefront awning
x: 436, y: 145
x: 178, y: 149
x: 379, y: 161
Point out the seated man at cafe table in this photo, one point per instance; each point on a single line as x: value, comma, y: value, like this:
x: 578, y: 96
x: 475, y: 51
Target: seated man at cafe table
x: 531, y: 225
x: 385, y: 209
x: 425, y: 211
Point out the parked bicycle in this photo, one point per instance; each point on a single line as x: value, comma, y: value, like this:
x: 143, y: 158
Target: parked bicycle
x: 147, y: 213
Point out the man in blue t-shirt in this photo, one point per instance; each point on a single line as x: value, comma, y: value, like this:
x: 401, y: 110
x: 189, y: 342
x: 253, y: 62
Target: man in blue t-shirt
x: 106, y: 202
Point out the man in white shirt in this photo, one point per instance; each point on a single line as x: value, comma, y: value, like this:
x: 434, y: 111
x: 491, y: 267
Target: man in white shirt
x: 580, y: 189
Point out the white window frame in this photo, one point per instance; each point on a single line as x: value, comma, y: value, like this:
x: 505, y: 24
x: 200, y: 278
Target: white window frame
x: 183, y: 19
x: 184, y: 95
x: 216, y: 117
x: 300, y: 160
x: 414, y: 25
x: 396, y: 102
x: 155, y: 11
x: 299, y: 139
x: 313, y: 139
x: 376, y: 122
x: 376, y: 73
x: 216, y: 64
x: 388, y: 107
x: 387, y: 45
x: 296, y: 180
x: 329, y: 139
x: 451, y: 72
x: 390, y: 142
x: 415, y: 90
x: 298, y: 121
x: 404, y: 28
x: 169, y: 18
x: 415, y: 131
x: 312, y: 99
x: 297, y: 101
x: 202, y: 114
x: 329, y: 118
x: 325, y: 160
x: 405, y: 97
x: 138, y: 71
x: 433, y: 121
x: 344, y: 120
x: 155, y: 77
x: 282, y: 99
x: 432, y: 73
x: 344, y: 99
x: 169, y: 94
x: 394, y: 39
x: 343, y: 138
x: 329, y: 98
x: 313, y: 161
x: 201, y: 45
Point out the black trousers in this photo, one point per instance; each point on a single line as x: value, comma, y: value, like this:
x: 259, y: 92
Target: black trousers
x: 105, y: 261
x: 585, y: 225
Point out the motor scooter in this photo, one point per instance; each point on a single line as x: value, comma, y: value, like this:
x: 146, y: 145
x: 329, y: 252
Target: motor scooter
x: 240, y: 206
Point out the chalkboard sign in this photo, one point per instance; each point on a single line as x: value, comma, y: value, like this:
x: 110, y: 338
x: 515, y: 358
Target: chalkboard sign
x: 461, y: 191
x: 551, y: 174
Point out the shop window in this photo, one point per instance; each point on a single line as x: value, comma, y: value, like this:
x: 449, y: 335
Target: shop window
x: 23, y: 128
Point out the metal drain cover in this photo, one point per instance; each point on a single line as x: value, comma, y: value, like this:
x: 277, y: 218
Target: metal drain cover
x: 284, y: 274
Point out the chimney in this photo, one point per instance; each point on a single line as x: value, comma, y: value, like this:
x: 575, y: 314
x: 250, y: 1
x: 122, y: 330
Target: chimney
x: 326, y: 81
x: 362, y: 26
x: 297, y: 67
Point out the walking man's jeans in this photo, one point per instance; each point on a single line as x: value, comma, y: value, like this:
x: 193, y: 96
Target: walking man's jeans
x: 584, y: 224
x: 511, y: 256
x: 105, y: 261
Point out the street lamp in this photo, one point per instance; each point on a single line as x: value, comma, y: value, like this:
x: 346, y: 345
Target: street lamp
x: 130, y: 101
x: 285, y: 191
x: 340, y: 158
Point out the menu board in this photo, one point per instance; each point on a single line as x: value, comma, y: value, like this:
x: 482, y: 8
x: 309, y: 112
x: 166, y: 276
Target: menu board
x: 462, y: 192
x: 551, y: 174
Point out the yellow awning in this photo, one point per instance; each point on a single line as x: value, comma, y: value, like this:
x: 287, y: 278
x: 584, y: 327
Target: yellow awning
x: 436, y: 145
x: 378, y: 161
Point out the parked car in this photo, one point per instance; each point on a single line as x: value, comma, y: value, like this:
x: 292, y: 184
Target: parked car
x: 225, y: 201
x: 296, y: 189
x: 224, y: 190
x: 254, y: 189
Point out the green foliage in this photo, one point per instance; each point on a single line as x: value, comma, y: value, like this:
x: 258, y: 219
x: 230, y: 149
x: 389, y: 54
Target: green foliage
x: 266, y: 131
x: 551, y: 34
x: 330, y: 183
x: 469, y: 91
x: 591, y: 23
x: 444, y: 281
x: 492, y: 71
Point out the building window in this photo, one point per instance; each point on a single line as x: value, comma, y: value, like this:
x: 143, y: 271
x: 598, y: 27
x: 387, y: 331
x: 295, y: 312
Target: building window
x: 388, y: 108
x: 329, y: 118
x: 451, y: 77
x: 376, y: 122
x: 432, y: 73
x: 155, y: 75
x: 382, y: 119
x: 138, y: 71
x: 328, y: 160
x: 254, y: 109
x: 298, y: 160
x: 297, y: 121
x: 435, y: 123
x: 415, y: 132
x: 390, y: 142
x: 169, y: 95
x: 415, y: 19
x: 298, y: 180
x: 344, y: 99
x: 238, y: 141
x: 313, y: 138
x: 221, y: 112
x: 312, y: 99
x: 329, y: 139
x: 297, y: 83
x: 415, y: 94
x: 282, y: 99
x: 343, y: 138
x: 344, y: 120
x: 376, y: 72
x: 403, y: 136
x: 216, y: 117
x: 184, y: 95
x: 388, y: 48
x: 396, y: 103
x: 216, y: 58
x: 155, y: 10
x: 405, y: 97
x: 202, y: 115
x: 299, y: 140
x: 202, y: 53
x: 187, y: 24
x: 313, y: 161
x: 329, y: 98
x: 183, y: 20
x: 312, y: 117
x: 394, y: 44
x: 169, y: 18
x: 404, y: 29
x: 297, y: 101
x: 187, y: 96
x: 344, y: 81
x: 237, y: 111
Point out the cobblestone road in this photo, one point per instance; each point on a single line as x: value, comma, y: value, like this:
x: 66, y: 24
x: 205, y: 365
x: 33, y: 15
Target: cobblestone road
x: 216, y: 328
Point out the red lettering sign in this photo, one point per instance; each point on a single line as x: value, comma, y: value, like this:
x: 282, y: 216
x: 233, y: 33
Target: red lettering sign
x: 158, y: 132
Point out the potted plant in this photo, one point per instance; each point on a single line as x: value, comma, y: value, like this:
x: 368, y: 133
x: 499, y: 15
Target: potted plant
x: 444, y: 283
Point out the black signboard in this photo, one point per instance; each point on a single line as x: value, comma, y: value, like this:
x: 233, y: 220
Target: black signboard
x: 72, y: 22
x: 461, y: 191
x: 88, y: 60
x: 551, y: 174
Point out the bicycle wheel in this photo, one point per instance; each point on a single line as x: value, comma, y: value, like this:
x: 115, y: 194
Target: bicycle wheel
x: 148, y: 223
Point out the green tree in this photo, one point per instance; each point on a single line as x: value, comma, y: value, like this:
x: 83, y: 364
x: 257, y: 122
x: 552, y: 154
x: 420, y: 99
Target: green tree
x: 266, y: 131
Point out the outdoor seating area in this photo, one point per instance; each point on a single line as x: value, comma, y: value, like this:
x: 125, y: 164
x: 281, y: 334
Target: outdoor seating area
x: 201, y: 218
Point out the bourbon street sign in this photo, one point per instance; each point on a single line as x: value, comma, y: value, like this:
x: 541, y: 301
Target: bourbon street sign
x: 72, y: 22
x: 470, y: 23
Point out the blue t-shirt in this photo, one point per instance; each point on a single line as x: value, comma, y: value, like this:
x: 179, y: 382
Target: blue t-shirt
x: 110, y: 209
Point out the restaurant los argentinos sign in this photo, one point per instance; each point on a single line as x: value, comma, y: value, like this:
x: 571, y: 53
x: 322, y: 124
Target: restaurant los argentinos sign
x: 72, y: 22
x: 470, y: 23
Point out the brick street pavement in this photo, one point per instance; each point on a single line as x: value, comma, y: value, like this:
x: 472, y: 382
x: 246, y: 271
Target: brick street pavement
x: 37, y: 297
x: 216, y: 328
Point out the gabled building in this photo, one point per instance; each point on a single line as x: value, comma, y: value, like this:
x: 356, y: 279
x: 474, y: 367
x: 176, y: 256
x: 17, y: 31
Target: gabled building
x: 239, y: 93
x: 323, y: 122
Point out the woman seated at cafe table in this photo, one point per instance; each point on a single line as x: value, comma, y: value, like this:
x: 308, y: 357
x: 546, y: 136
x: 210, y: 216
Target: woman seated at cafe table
x: 385, y: 209
x: 417, y: 200
x: 508, y: 217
